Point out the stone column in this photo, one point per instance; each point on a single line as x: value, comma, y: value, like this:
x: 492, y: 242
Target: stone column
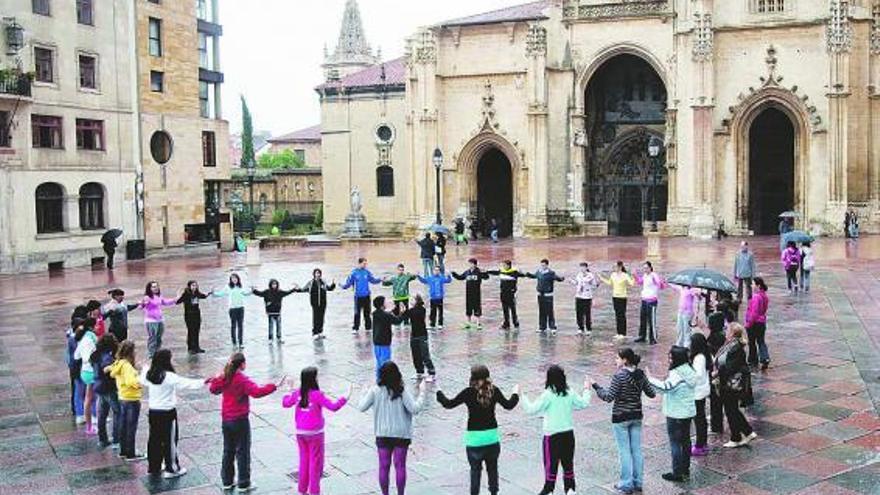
x: 536, y: 51
x: 702, y: 109
x: 874, y: 114
x: 839, y: 44
x: 422, y: 60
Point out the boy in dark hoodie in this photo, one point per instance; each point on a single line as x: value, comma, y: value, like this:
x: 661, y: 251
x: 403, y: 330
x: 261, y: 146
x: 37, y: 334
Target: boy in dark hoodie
x: 508, y: 276
x: 546, y: 279
x: 273, y: 297
x: 115, y: 313
x: 473, y: 278
x: 383, y: 320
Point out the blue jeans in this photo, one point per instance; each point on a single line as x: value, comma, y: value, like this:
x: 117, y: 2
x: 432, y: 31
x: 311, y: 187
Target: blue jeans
x: 383, y: 355
x: 428, y: 266
x: 130, y: 410
x: 109, y: 403
x: 679, y: 431
x: 628, y: 436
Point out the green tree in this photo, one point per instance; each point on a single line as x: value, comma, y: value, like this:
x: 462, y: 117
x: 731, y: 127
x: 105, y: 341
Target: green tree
x: 281, y: 159
x: 247, y: 135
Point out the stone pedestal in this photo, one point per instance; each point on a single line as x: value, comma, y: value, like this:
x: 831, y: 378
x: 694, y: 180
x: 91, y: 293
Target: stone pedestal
x: 653, y: 251
x: 253, y: 252
x: 355, y: 226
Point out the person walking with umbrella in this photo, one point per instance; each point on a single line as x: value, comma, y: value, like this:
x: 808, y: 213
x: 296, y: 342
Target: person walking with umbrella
x: 108, y: 241
x: 426, y: 253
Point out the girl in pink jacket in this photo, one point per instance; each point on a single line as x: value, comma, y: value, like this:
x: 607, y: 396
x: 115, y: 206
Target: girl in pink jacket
x: 756, y: 324
x: 310, y: 403
x: 791, y: 261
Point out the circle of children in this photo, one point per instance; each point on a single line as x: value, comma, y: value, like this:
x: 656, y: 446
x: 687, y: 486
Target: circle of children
x: 712, y: 364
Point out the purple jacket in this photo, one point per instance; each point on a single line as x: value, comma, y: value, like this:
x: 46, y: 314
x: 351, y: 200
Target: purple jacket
x: 791, y: 258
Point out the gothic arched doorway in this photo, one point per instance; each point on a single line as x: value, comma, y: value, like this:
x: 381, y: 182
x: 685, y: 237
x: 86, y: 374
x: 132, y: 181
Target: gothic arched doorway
x: 771, y: 169
x: 625, y: 105
x: 495, y: 191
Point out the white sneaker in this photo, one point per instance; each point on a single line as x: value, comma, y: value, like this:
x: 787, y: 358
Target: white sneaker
x: 354, y: 331
x: 538, y: 330
x: 732, y: 445
x: 746, y: 440
x: 80, y: 420
x: 570, y: 492
x: 553, y: 332
x: 430, y: 379
x: 439, y: 327
x: 417, y: 376
x: 169, y: 475
x: 316, y: 337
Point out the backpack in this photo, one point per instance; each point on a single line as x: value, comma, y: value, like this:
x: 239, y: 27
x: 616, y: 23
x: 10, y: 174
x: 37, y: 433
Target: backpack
x: 808, y: 259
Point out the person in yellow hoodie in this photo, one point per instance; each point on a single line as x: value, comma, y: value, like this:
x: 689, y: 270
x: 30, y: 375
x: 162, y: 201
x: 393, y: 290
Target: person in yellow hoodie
x: 620, y: 282
x: 130, y: 393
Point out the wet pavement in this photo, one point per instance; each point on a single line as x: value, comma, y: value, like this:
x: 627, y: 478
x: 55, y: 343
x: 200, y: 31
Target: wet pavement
x: 819, y: 429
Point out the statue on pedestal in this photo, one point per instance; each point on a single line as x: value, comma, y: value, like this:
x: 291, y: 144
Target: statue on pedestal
x: 355, y: 221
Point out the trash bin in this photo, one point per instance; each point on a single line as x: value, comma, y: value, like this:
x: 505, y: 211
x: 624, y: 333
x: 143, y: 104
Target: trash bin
x: 135, y: 249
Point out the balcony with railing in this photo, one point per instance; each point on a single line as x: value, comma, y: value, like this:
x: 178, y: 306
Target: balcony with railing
x: 14, y: 83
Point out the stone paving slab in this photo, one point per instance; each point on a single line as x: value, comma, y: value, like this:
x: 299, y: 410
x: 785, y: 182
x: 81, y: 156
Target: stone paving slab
x: 816, y: 407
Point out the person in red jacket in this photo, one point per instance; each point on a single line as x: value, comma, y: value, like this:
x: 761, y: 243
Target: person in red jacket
x: 237, y: 389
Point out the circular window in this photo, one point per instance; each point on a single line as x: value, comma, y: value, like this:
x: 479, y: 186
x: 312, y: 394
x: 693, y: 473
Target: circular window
x: 161, y: 147
x: 385, y: 134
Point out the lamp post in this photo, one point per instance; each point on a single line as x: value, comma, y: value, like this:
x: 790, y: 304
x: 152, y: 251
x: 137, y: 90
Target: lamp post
x: 438, y: 164
x: 655, y: 146
x: 251, y: 172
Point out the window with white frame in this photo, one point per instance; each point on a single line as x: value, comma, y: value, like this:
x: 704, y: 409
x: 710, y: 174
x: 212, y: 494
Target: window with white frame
x: 769, y: 6
x: 88, y: 71
x: 44, y: 64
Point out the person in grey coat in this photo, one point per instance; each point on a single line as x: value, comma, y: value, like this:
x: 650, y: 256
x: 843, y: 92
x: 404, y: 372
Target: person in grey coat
x: 744, y: 270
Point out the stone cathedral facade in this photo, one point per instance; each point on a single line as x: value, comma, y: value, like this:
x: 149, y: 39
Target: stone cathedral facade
x: 544, y: 112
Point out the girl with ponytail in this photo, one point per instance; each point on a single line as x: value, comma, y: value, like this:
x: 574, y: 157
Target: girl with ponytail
x: 482, y: 439
x: 237, y: 389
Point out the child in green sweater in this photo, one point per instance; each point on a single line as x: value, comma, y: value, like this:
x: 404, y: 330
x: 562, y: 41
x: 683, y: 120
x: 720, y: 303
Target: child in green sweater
x: 400, y: 290
x: 557, y: 405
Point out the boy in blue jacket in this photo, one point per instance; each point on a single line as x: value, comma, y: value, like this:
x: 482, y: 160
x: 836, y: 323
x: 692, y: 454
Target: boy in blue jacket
x: 360, y: 279
x: 436, y: 291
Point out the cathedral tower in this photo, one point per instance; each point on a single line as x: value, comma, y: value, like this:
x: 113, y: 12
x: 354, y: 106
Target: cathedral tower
x: 352, y: 53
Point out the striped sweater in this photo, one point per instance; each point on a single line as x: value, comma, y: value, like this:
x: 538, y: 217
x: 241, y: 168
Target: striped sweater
x: 625, y: 391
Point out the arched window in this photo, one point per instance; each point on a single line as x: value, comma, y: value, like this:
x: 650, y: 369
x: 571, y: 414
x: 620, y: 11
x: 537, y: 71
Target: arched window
x: 91, y: 206
x: 50, y: 208
x: 384, y: 181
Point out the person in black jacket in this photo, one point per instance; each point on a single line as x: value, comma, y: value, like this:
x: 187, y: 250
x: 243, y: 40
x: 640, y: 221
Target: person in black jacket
x: 115, y: 313
x: 626, y: 389
x: 482, y: 439
x: 473, y: 278
x: 317, y: 290
x: 418, y: 340
x: 426, y: 253
x: 508, y: 276
x: 440, y: 251
x: 273, y: 297
x: 546, y: 279
x: 192, y: 315
x: 105, y: 389
x: 383, y: 320
x: 732, y: 378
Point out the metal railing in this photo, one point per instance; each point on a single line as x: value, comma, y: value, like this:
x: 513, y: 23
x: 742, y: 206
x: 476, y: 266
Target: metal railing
x: 15, y: 83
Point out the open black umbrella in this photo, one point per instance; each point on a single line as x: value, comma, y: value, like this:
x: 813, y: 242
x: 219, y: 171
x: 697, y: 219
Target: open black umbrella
x: 111, y: 235
x: 703, y: 278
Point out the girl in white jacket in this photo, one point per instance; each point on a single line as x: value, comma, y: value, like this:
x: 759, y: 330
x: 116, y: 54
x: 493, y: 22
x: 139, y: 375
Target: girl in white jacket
x: 162, y: 384
x: 701, y: 361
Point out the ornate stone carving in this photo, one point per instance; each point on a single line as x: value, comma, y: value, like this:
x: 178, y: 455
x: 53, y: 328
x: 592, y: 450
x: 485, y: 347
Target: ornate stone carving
x: 838, y: 32
x: 772, y: 83
x: 422, y: 48
x: 384, y: 157
x: 875, y: 29
x: 536, y: 41
x: 352, y: 46
x: 703, y: 37
x: 488, y: 122
x: 624, y: 8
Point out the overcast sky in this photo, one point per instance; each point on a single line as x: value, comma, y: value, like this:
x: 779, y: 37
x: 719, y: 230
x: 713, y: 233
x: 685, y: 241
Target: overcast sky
x: 272, y: 50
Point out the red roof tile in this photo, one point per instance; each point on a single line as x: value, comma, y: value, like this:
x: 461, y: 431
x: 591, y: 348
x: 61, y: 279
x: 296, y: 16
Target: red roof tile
x: 307, y: 135
x: 395, y: 74
x: 524, y: 12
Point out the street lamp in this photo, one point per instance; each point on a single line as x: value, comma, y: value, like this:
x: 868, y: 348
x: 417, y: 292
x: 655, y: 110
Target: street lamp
x: 655, y: 147
x: 438, y: 164
x: 251, y: 172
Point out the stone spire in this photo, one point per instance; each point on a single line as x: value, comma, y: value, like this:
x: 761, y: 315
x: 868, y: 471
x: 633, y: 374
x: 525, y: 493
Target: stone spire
x: 352, y: 52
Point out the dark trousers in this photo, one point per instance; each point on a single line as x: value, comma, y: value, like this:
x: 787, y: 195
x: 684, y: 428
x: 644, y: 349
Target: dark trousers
x: 477, y: 456
x: 648, y: 321
x: 193, y: 320
x: 121, y: 333
x: 791, y: 277
x: 400, y: 308
x: 236, y: 325
x: 757, y: 332
x: 679, y: 431
x: 421, y: 355
x: 110, y: 254
x: 74, y: 376
x: 362, y: 305
x: 130, y: 410
x: 620, y: 314
x: 162, y: 444
x: 583, y: 312
x: 744, y: 284
x: 716, y: 410
x: 508, y: 307
x: 545, y: 312
x: 736, y: 421
x: 108, y: 403
x: 473, y: 305
x: 236, y: 447
x: 558, y: 449
x: 274, y: 320
x: 318, y: 313
x: 436, y: 312
x: 700, y: 425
